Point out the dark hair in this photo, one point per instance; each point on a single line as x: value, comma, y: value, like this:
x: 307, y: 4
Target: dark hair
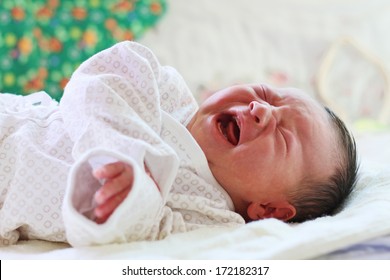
x: 316, y: 199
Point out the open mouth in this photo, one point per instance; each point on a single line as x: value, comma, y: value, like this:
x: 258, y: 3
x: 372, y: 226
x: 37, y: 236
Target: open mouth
x: 229, y: 128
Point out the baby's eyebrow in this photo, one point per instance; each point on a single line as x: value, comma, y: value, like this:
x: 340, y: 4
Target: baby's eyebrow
x: 280, y: 93
x: 259, y: 89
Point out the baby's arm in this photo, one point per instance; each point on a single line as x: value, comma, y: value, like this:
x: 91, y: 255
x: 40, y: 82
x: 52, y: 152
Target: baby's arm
x: 108, y: 113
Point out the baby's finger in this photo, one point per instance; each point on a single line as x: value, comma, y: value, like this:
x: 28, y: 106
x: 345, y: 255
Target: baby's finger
x: 109, y: 171
x: 104, y: 211
x: 116, y: 185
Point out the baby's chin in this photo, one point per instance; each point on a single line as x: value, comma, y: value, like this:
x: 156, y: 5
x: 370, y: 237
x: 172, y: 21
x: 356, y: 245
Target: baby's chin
x: 218, y: 175
x: 221, y: 177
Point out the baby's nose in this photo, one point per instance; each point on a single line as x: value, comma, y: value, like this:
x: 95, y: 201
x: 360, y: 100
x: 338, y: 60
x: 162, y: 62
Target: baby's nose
x: 261, y: 112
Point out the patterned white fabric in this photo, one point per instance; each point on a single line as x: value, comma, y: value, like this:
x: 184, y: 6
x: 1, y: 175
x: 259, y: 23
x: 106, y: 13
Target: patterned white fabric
x: 119, y: 105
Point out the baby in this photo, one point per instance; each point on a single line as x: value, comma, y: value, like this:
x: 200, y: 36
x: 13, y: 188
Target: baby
x: 128, y: 155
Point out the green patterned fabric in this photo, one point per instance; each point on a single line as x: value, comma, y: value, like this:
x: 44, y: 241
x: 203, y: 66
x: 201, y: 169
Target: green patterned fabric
x: 43, y: 42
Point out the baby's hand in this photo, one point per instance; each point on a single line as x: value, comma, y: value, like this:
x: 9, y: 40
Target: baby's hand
x: 118, y: 180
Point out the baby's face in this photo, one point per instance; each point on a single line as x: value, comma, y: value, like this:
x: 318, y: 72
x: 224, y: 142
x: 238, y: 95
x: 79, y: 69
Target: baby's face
x: 261, y: 142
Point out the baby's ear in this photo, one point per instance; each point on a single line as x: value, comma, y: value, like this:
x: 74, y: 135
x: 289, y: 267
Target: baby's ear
x: 281, y: 210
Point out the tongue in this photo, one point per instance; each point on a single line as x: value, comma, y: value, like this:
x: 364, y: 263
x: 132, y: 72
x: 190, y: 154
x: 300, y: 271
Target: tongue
x: 232, y: 133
